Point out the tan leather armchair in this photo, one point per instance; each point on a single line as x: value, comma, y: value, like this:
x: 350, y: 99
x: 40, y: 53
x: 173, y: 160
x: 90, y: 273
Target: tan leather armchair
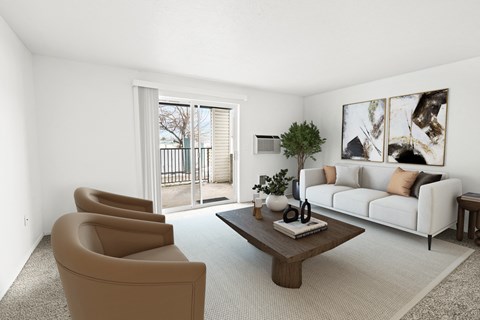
x: 96, y: 201
x: 117, y: 268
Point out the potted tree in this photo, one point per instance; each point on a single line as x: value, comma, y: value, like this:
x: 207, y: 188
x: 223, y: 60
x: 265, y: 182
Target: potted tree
x: 275, y: 189
x: 301, y: 141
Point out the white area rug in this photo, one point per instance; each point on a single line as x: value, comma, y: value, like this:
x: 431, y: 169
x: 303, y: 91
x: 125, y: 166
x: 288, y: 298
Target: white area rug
x: 380, y: 274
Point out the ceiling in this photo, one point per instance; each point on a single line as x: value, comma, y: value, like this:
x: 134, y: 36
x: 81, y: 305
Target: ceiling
x: 300, y: 47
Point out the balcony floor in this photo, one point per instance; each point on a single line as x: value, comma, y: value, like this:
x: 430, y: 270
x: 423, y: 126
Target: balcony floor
x: 180, y: 195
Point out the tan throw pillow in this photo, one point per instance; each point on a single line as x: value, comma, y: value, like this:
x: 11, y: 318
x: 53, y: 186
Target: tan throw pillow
x: 401, y: 182
x: 330, y: 174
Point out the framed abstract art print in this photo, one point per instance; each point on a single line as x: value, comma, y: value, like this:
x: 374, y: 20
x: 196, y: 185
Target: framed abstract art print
x: 363, y: 130
x: 417, y: 128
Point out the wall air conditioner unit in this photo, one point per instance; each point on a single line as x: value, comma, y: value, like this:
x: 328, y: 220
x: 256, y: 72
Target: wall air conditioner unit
x: 266, y: 144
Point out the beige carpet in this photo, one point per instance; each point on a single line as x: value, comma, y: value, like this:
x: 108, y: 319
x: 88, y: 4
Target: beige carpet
x: 380, y: 274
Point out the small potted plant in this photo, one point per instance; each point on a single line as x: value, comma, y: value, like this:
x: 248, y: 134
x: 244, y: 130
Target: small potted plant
x: 301, y: 141
x: 275, y: 189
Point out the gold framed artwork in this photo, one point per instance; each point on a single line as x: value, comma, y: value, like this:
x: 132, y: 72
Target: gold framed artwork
x: 417, y: 128
x: 363, y: 130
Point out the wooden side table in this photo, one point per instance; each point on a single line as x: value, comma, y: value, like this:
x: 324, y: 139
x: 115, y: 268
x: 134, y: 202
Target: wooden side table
x: 473, y: 208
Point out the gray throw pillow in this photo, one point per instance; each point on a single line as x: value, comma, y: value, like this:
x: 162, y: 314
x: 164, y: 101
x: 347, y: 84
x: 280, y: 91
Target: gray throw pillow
x: 347, y: 176
x: 423, y: 178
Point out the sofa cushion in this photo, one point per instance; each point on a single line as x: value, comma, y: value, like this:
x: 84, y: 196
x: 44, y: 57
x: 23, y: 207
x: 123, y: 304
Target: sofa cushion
x: 330, y: 174
x: 322, y: 194
x: 423, y: 178
x: 356, y: 201
x: 375, y: 177
x: 165, y: 253
x: 347, y: 176
x: 397, y: 210
x: 401, y: 182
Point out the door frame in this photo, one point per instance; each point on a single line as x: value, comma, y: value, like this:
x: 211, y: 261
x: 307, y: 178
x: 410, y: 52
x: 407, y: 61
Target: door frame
x: 234, y: 108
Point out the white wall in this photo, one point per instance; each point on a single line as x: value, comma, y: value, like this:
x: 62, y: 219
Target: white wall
x: 85, y: 132
x: 463, y: 112
x: 87, y: 136
x: 19, y: 186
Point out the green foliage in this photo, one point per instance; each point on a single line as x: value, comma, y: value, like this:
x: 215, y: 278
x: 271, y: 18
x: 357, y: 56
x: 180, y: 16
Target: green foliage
x: 275, y: 185
x: 302, y: 141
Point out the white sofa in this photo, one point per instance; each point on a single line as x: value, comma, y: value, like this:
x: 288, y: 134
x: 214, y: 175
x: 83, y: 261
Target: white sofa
x: 434, y: 211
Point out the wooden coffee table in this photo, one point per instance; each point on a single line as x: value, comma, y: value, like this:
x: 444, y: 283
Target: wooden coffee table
x: 287, y: 253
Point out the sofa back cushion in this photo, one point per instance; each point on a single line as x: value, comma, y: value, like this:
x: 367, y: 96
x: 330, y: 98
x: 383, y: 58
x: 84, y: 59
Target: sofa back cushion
x: 376, y: 177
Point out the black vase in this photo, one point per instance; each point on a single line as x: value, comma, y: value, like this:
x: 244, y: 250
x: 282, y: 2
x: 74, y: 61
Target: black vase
x: 296, y: 189
x: 286, y: 217
x: 304, y: 218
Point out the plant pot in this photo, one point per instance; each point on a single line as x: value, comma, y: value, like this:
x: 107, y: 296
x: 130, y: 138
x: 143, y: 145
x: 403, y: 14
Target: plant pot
x: 276, y: 203
x: 296, y: 189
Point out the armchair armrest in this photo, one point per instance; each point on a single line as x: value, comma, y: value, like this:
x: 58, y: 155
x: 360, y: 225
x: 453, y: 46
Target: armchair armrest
x: 125, y: 202
x: 310, y: 177
x: 121, y: 237
x: 437, y: 206
x: 112, y: 236
x: 130, y: 214
x: 96, y: 201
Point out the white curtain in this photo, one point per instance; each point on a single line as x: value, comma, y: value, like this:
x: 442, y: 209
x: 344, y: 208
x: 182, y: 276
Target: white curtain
x: 149, y: 131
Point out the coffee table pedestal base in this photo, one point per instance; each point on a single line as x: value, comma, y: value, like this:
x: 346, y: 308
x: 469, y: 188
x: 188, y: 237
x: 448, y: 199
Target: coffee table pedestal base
x: 287, y: 275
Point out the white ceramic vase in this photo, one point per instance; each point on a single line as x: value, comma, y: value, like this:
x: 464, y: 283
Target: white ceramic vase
x: 276, y: 203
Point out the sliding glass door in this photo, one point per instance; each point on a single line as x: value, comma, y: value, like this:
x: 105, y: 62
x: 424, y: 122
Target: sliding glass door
x: 196, y: 154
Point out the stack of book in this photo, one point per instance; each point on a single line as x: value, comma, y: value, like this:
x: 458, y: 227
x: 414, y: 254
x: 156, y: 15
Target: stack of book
x: 471, y: 196
x: 297, y: 229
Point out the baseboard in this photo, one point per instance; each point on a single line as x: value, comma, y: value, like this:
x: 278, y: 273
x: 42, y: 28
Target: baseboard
x: 20, y: 266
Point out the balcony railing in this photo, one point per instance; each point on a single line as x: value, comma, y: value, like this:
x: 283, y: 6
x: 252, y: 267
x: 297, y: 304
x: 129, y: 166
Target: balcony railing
x: 176, y: 165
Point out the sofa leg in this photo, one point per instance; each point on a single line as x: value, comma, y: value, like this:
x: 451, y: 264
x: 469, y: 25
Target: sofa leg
x: 429, y: 242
